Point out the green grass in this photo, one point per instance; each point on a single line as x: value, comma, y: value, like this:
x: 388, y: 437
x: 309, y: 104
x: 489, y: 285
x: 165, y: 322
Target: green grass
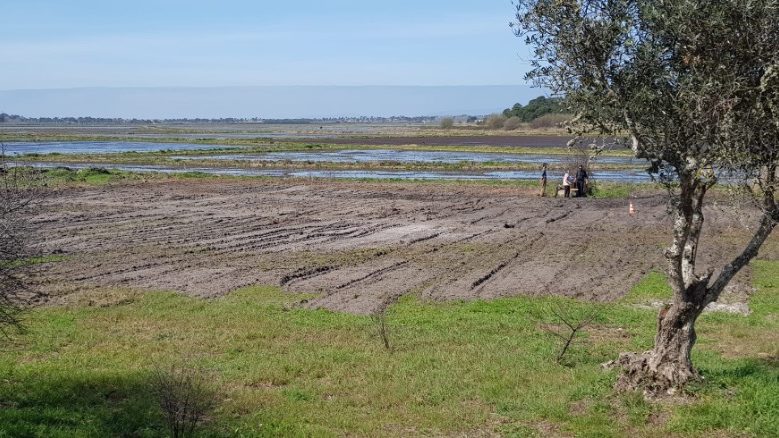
x: 455, y: 368
x: 93, y: 176
x: 97, y: 176
x: 32, y: 261
x: 653, y: 287
x: 613, y: 190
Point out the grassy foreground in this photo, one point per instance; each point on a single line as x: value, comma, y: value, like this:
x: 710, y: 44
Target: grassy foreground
x: 457, y: 368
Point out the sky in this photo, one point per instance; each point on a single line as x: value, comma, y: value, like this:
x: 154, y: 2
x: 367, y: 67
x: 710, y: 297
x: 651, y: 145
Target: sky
x: 241, y: 43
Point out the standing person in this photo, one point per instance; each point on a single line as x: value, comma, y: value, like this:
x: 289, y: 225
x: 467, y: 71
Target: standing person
x: 581, y: 182
x: 567, y: 184
x: 543, y: 180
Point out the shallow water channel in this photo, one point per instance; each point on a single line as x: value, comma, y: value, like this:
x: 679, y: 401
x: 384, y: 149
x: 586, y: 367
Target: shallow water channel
x: 629, y: 176
x: 402, y: 156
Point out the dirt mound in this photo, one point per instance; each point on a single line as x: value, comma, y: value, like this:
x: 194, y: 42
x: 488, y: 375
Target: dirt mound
x: 361, y: 245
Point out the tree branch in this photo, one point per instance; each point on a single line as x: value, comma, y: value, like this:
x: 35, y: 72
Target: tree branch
x: 767, y: 224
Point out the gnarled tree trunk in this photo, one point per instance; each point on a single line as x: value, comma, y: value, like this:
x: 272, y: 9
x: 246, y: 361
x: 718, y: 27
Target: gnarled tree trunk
x: 668, y: 366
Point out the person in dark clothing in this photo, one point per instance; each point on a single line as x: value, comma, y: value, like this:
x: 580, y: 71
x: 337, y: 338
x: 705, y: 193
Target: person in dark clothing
x: 543, y: 180
x: 581, y: 182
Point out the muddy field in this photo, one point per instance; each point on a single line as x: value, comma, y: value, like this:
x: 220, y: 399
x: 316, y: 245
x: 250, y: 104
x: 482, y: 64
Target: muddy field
x: 359, y: 246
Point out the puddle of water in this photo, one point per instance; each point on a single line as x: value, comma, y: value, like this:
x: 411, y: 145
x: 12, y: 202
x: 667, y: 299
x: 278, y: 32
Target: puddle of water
x: 377, y: 155
x: 629, y: 176
x: 80, y: 147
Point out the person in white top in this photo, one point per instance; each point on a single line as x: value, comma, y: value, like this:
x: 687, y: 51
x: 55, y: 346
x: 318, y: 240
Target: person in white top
x: 567, y: 184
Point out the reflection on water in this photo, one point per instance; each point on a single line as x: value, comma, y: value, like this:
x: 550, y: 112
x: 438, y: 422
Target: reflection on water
x: 631, y: 176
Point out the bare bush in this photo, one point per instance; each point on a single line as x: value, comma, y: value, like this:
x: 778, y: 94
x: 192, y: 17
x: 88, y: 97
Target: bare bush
x: 580, y: 153
x: 512, y: 123
x: 585, y: 152
x: 550, y: 121
x: 566, y: 321
x: 494, y: 121
x: 21, y: 190
x: 380, y: 320
x: 447, y: 123
x: 185, y: 398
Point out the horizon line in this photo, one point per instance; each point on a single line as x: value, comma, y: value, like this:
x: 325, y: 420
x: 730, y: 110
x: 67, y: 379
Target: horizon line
x: 185, y: 87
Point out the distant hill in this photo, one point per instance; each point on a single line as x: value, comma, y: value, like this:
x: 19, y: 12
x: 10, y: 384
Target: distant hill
x: 289, y: 102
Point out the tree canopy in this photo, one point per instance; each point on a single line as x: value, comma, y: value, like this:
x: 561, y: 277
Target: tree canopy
x: 535, y: 108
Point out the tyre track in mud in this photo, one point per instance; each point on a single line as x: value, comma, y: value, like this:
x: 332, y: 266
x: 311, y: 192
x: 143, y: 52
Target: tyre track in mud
x: 414, y: 272
x: 357, y: 245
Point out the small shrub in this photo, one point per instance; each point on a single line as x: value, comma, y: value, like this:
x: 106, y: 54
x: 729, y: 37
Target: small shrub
x: 380, y: 319
x: 512, y: 123
x: 550, y: 121
x: 97, y: 171
x: 447, y: 123
x: 593, y: 189
x: 21, y: 193
x: 185, y: 398
x: 565, y: 321
x: 495, y: 121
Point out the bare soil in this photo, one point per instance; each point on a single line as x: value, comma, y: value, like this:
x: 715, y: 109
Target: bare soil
x: 359, y: 246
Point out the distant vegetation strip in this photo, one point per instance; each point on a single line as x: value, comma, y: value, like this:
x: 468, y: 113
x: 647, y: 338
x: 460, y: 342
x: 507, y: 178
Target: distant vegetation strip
x: 92, y: 121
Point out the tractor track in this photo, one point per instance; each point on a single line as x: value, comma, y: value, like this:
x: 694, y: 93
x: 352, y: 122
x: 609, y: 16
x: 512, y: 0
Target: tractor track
x: 360, y: 245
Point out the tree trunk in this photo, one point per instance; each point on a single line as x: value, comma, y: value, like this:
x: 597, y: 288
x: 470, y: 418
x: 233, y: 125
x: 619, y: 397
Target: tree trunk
x: 668, y: 366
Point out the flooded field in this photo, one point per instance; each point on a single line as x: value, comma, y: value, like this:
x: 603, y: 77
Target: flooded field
x: 100, y: 147
x: 627, y: 169
x: 628, y: 176
x: 379, y: 155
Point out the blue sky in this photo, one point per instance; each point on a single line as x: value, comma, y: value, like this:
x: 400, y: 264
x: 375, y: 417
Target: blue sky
x: 66, y: 44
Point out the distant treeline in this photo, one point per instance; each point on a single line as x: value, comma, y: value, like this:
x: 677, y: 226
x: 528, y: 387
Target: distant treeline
x: 535, y: 108
x: 16, y: 119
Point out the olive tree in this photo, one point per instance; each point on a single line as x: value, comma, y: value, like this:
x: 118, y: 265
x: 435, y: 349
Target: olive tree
x: 693, y: 86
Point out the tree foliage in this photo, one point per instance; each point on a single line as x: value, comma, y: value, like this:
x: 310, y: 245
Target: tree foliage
x: 535, y: 108
x: 694, y: 85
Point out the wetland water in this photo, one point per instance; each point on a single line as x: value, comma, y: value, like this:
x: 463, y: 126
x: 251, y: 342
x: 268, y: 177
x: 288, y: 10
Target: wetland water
x: 629, y: 176
x: 403, y: 156
x: 631, y: 173
x: 99, y: 147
